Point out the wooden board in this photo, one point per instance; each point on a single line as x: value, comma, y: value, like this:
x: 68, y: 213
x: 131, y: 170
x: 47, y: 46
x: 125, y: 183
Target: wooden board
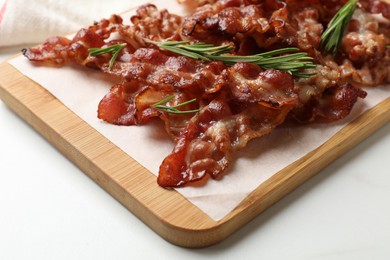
x: 165, y: 211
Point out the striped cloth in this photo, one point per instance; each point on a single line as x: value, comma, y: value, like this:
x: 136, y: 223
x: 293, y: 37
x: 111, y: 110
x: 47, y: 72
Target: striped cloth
x: 29, y: 22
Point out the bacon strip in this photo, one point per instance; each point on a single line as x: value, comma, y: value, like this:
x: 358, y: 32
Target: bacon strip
x: 208, y: 142
x: 152, y: 24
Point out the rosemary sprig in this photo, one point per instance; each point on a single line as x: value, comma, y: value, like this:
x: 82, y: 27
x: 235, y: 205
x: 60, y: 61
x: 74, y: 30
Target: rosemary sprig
x: 114, y: 49
x: 287, y: 59
x: 333, y: 35
x: 161, y: 105
x: 198, y: 51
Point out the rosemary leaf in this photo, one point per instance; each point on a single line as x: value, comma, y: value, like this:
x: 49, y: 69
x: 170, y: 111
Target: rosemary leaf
x: 184, y: 52
x: 333, y: 35
x: 203, y: 48
x: 286, y: 59
x: 232, y: 59
x: 161, y: 105
x: 279, y: 51
x: 114, y: 49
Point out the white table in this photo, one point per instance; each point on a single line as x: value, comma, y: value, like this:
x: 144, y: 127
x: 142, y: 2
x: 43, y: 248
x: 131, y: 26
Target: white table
x: 50, y: 210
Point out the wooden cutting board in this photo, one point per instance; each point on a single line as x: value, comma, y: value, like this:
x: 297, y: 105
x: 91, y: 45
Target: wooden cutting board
x: 165, y: 211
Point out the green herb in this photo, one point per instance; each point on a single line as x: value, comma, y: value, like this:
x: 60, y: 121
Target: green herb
x: 199, y: 51
x: 388, y: 47
x: 331, y: 38
x: 161, y: 105
x: 114, y: 49
x: 287, y: 59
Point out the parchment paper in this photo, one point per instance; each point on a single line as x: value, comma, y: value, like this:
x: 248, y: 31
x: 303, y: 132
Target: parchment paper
x: 81, y: 89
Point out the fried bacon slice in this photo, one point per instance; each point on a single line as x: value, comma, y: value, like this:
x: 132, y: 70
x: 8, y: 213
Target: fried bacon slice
x: 334, y: 104
x: 151, y: 24
x: 130, y: 103
x: 157, y: 68
x: 377, y: 7
x: 248, y: 83
x: 364, y: 46
x: 60, y: 50
x: 246, y: 108
x: 207, y: 144
x: 53, y: 50
x: 235, y: 103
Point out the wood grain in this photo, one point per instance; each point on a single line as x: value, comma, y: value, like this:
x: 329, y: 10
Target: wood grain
x: 165, y: 211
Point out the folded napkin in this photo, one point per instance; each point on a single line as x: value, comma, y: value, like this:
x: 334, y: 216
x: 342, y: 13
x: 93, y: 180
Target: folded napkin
x: 28, y: 22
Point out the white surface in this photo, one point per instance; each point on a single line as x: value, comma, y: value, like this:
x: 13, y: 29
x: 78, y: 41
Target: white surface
x: 51, y: 210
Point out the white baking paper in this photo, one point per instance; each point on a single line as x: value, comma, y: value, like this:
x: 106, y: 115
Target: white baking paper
x: 81, y: 89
